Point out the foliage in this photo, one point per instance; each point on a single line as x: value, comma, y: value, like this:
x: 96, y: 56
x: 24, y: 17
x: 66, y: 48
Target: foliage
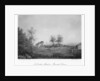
x: 52, y: 40
x: 59, y: 39
x: 24, y: 44
x: 31, y: 35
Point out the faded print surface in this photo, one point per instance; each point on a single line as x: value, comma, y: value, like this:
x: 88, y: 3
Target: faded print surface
x: 49, y: 36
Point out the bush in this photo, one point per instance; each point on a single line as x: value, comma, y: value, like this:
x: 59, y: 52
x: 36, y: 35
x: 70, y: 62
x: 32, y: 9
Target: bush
x: 25, y: 47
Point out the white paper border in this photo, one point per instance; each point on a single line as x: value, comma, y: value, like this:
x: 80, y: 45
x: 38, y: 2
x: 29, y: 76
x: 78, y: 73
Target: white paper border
x: 12, y: 69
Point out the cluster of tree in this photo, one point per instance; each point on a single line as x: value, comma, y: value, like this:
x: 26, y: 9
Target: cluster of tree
x: 25, y: 43
x: 56, y: 41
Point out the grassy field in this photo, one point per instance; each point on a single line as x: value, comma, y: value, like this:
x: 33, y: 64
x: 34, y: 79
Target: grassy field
x: 54, y: 53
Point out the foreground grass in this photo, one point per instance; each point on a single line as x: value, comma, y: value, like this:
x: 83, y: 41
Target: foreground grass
x: 53, y: 53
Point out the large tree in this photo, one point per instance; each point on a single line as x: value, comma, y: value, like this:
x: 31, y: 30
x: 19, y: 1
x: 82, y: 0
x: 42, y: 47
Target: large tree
x: 31, y: 35
x: 25, y: 44
x: 22, y: 42
x: 52, y: 40
x: 59, y: 40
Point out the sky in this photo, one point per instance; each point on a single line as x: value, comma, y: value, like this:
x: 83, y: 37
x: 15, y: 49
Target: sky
x: 68, y: 26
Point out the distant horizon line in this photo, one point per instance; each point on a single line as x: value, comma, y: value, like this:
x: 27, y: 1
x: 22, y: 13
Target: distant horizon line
x: 62, y: 43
